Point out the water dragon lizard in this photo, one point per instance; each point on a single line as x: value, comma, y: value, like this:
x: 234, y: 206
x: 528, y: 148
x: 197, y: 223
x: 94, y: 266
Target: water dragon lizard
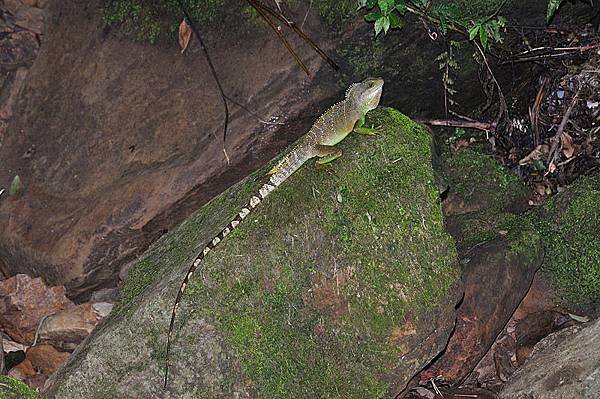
x: 330, y: 128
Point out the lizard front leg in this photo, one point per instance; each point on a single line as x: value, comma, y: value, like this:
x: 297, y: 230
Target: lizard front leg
x: 360, y: 128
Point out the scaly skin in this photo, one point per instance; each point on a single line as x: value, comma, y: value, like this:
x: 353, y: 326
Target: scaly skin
x: 332, y: 127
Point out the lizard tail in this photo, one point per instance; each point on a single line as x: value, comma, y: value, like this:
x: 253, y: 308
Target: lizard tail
x: 274, y: 181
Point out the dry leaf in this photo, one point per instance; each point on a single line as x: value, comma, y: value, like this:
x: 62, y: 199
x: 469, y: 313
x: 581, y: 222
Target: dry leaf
x: 185, y: 34
x: 538, y: 153
x: 567, y: 145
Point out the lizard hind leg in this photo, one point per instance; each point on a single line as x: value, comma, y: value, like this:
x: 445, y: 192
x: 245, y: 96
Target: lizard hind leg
x: 327, y: 153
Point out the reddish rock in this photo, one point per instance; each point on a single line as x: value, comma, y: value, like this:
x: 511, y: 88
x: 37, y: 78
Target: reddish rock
x: 26, y: 14
x: 45, y: 359
x: 69, y: 327
x: 536, y: 317
x: 24, y: 301
x: 496, y: 278
x: 18, y: 49
x: 22, y: 370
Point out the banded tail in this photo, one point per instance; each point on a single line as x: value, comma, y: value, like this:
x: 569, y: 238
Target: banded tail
x: 284, y: 169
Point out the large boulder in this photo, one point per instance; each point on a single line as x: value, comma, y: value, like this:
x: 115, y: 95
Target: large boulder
x: 341, y: 284
x: 564, y: 365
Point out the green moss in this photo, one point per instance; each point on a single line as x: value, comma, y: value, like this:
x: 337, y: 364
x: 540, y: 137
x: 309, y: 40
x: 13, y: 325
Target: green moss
x: 336, y: 13
x: 14, y: 389
x: 472, y: 10
x: 147, y: 21
x: 478, y: 179
x: 570, y: 223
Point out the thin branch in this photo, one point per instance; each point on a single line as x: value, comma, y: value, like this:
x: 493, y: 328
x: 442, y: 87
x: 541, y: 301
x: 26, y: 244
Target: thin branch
x: 559, y: 132
x: 261, y: 9
x: 484, y: 126
x: 503, y: 109
x: 534, y: 112
x: 306, y: 15
x: 253, y: 113
x: 257, y: 4
x: 549, y: 52
x: 212, y: 70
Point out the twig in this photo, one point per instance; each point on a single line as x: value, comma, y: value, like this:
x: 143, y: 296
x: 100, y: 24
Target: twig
x: 503, y: 109
x: 559, y: 132
x: 296, y: 29
x: 534, y: 112
x: 463, y: 117
x: 212, y: 70
x: 261, y: 9
x: 306, y: 15
x: 559, y: 52
x: 253, y: 113
x: 484, y: 126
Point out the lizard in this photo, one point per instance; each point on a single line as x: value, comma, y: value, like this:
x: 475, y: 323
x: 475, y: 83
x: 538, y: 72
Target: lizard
x: 330, y: 128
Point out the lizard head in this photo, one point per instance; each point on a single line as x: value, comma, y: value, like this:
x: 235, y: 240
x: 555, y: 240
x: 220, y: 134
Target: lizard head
x: 366, y: 93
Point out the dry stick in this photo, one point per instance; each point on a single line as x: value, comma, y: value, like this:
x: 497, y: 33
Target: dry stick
x: 253, y: 113
x: 213, y: 71
x: 557, y: 137
x: 463, y: 117
x: 503, y: 108
x: 562, y: 51
x: 277, y: 31
x: 550, y: 49
x: 296, y: 29
x: 306, y: 15
x: 534, y: 112
x: 486, y: 127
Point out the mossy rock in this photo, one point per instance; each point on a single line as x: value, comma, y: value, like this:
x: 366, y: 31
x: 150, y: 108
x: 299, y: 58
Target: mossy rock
x: 482, y: 182
x: 341, y: 284
x: 482, y: 197
x: 15, y: 389
x: 570, y: 225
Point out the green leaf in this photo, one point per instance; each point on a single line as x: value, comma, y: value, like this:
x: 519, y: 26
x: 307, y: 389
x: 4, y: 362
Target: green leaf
x: 400, y: 7
x: 373, y: 16
x: 385, y: 6
x: 483, y: 37
x: 473, y: 32
x: 395, y: 20
x: 552, y: 8
x: 368, y: 4
x: 386, y: 24
x: 15, y: 186
x: 378, y: 26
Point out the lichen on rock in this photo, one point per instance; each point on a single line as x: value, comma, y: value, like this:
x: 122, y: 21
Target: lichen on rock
x: 341, y: 284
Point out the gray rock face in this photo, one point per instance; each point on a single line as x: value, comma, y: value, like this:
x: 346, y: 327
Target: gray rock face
x: 564, y: 365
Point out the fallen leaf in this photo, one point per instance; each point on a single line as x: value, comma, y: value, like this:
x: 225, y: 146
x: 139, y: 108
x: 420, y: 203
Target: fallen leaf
x: 538, y: 153
x: 185, y: 34
x: 581, y: 319
x: 15, y: 186
x: 567, y: 145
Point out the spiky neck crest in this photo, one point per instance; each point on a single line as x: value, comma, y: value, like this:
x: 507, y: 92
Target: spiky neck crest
x: 366, y: 94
